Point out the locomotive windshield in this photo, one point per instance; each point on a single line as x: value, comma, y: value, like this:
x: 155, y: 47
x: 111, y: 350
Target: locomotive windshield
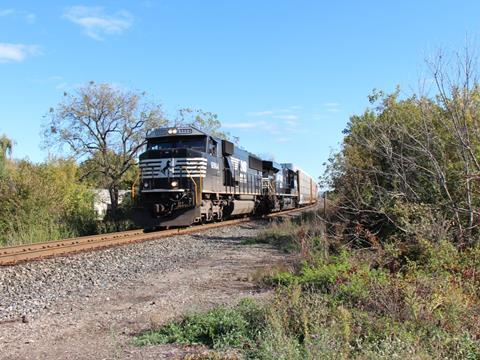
x: 178, y: 142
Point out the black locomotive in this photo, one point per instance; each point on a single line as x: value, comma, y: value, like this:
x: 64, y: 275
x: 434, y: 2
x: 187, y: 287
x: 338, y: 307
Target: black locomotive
x: 188, y: 177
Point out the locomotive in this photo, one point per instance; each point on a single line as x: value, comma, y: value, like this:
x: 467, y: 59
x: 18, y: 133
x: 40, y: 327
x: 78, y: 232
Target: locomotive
x: 188, y: 176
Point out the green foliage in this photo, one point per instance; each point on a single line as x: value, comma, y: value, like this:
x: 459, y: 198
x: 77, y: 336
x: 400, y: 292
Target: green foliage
x: 354, y: 304
x: 290, y: 235
x: 280, y: 236
x: 43, y: 202
x: 221, y: 327
x: 6, y: 146
x: 406, y: 192
x: 340, y: 277
x: 406, y: 172
x: 89, y: 174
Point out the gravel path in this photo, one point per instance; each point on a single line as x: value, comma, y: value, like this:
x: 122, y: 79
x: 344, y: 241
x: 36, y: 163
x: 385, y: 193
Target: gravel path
x: 27, y: 288
x: 88, y: 306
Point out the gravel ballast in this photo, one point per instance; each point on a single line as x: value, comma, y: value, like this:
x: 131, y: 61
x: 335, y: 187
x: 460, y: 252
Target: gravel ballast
x: 26, y: 289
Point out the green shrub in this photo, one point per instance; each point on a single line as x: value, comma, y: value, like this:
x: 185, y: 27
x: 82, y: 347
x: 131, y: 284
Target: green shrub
x: 221, y: 327
x: 355, y: 303
x: 43, y: 202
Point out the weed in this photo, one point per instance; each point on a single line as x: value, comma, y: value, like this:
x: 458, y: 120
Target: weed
x: 219, y: 328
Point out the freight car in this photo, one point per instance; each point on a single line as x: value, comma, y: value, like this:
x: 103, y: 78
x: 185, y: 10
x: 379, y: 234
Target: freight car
x: 189, y: 176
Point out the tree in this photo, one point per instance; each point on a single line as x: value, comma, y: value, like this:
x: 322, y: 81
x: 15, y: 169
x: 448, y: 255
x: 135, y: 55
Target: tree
x: 6, y: 146
x: 89, y: 175
x: 409, y: 169
x: 106, y: 124
x: 205, y: 121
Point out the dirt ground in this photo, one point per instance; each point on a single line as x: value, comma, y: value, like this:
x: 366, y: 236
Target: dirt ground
x: 102, y: 326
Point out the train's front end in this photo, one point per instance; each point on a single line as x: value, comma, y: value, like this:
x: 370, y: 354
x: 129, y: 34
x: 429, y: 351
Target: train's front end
x: 172, y: 171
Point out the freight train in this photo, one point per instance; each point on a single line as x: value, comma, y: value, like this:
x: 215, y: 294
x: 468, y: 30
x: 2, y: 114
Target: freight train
x: 188, y: 176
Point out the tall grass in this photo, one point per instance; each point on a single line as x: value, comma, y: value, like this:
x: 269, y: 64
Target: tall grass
x: 27, y: 232
x: 42, y: 202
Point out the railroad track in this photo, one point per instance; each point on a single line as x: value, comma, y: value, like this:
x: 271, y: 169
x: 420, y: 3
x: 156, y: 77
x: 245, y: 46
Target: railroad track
x: 15, y: 254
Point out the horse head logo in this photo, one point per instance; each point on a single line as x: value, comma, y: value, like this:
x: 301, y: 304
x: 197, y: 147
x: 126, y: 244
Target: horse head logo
x: 168, y: 168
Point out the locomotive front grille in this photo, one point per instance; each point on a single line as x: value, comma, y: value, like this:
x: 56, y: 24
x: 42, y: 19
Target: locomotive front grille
x: 173, y: 167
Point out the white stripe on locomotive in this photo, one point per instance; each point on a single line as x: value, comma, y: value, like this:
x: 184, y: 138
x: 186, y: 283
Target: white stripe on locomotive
x: 173, y: 167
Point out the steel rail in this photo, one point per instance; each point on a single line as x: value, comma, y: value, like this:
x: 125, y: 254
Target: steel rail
x: 15, y: 254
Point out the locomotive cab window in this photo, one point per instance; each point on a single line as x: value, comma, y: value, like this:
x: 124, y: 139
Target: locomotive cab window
x: 178, y: 142
x: 212, y: 147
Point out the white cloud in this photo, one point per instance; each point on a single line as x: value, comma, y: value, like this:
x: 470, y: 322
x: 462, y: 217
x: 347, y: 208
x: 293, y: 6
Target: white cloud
x: 321, y: 117
x: 332, y: 107
x: 292, y: 123
x: 7, y: 12
x: 148, y: 4
x: 95, y: 23
x: 287, y: 110
x: 273, y: 129
x: 261, y: 113
x: 331, y: 104
x: 289, y: 122
x: 287, y: 117
x: 247, y: 125
x: 242, y: 125
x: 55, y: 78
x: 290, y: 109
x: 61, y: 86
x: 16, y: 52
x: 30, y: 18
x: 282, y: 140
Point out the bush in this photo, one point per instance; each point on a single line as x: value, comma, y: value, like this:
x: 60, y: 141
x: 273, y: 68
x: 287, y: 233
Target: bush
x: 420, y: 300
x: 43, y: 202
x: 219, y: 328
x: 355, y: 304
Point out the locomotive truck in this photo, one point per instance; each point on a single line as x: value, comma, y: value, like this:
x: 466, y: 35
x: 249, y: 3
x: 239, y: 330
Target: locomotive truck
x: 188, y: 177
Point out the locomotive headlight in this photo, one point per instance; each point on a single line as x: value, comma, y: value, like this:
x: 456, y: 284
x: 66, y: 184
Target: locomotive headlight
x: 174, y: 131
x: 145, y: 185
x: 174, y: 183
x: 170, y: 131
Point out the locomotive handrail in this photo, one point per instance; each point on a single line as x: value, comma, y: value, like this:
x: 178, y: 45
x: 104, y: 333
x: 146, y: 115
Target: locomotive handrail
x: 195, y: 185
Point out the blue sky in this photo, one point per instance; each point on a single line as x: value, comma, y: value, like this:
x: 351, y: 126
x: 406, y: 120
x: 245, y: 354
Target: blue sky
x: 284, y: 76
